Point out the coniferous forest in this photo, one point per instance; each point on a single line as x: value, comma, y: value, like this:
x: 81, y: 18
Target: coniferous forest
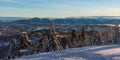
x: 54, y: 39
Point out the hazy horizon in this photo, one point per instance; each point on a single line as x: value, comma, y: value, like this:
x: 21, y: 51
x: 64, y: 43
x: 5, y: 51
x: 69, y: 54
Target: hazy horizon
x: 59, y: 8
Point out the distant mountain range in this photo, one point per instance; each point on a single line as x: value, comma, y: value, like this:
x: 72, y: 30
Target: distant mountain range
x: 9, y: 19
x: 73, y: 20
x: 80, y: 20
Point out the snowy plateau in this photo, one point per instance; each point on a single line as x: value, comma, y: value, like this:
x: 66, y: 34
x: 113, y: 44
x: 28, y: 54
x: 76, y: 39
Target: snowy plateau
x: 104, y: 52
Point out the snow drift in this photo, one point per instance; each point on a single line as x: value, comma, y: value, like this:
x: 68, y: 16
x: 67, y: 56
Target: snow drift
x: 105, y: 52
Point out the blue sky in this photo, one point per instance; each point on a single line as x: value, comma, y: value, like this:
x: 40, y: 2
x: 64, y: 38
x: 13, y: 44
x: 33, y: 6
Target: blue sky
x: 59, y: 8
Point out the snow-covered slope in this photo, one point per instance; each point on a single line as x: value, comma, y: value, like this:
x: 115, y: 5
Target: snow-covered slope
x: 105, y: 52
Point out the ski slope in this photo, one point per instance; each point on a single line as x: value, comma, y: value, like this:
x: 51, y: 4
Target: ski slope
x: 105, y: 52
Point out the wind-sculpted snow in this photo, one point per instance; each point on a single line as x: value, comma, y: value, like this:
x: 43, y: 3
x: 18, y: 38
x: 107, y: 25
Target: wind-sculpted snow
x: 107, y: 52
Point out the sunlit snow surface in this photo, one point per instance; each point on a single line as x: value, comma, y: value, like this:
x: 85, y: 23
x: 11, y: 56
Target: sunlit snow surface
x: 105, y: 52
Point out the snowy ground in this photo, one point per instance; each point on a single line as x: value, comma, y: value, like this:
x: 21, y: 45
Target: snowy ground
x: 107, y: 52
